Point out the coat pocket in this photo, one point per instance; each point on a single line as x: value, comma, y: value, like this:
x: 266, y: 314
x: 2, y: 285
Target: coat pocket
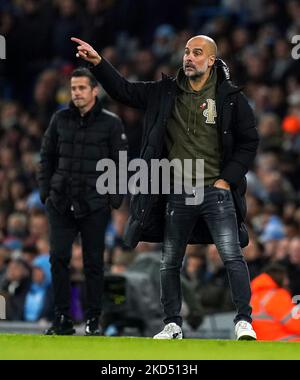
x: 58, y: 182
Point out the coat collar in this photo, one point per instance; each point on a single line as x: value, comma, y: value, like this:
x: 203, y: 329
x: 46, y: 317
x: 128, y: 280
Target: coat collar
x: 224, y: 83
x: 96, y: 109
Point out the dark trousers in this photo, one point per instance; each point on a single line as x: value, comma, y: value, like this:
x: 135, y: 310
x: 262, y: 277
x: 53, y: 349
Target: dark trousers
x: 63, y: 231
x: 218, y: 211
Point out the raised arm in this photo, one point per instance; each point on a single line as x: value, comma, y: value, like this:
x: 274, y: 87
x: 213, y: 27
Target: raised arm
x: 133, y: 94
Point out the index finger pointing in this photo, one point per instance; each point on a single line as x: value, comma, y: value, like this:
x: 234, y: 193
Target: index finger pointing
x: 79, y: 41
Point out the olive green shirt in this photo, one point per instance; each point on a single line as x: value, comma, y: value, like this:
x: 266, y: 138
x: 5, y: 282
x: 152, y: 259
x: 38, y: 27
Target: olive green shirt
x: 192, y: 128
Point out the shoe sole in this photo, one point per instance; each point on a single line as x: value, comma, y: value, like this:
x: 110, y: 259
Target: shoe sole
x: 247, y: 337
x: 92, y: 334
x: 67, y: 333
x: 167, y: 338
x: 71, y: 332
x: 181, y: 337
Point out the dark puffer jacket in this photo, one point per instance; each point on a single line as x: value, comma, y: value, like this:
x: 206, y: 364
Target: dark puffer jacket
x: 71, y: 148
x: 238, y: 139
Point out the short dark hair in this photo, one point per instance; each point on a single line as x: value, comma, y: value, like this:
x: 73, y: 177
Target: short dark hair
x: 84, y: 72
x: 31, y: 249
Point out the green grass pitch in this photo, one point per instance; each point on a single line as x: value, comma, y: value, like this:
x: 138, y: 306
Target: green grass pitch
x: 103, y: 348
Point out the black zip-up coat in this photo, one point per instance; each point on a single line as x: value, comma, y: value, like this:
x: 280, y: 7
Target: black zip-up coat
x: 71, y: 148
x: 237, y: 133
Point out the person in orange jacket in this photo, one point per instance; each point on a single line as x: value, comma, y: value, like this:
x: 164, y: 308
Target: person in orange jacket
x: 275, y: 316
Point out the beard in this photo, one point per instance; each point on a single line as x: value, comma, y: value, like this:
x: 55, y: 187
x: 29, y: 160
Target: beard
x: 192, y: 72
x: 80, y: 103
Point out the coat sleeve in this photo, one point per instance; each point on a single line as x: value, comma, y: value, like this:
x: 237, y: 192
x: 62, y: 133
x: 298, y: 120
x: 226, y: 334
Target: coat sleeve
x: 118, y: 140
x: 48, y: 159
x: 133, y: 94
x: 246, y: 143
x: 118, y: 143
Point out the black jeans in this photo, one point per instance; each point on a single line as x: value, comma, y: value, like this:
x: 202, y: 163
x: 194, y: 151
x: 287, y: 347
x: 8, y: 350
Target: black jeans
x: 63, y: 231
x: 218, y: 211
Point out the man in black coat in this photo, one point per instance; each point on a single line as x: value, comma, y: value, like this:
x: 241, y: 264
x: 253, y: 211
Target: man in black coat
x: 198, y: 114
x: 76, y: 139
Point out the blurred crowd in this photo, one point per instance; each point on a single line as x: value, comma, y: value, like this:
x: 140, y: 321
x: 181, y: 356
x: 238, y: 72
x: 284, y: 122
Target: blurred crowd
x: 143, y: 39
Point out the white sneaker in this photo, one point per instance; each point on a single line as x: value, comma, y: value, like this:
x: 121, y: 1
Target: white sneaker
x: 171, y: 331
x: 244, y: 331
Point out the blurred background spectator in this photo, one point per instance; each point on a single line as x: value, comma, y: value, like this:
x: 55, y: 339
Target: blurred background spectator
x: 275, y: 315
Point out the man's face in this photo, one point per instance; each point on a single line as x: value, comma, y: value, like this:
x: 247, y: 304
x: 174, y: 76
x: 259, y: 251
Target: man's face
x: 294, y: 251
x: 82, y: 93
x: 38, y: 226
x: 197, y: 58
x: 38, y: 275
x: 15, y: 271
